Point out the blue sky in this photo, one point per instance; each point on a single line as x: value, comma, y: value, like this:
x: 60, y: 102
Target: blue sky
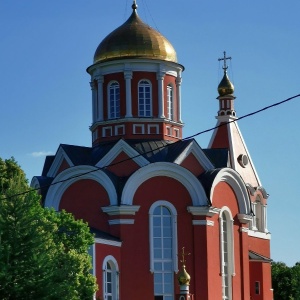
x: 45, y: 98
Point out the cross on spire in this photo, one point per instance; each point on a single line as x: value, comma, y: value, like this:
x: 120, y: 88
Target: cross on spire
x: 183, y: 255
x: 225, y: 67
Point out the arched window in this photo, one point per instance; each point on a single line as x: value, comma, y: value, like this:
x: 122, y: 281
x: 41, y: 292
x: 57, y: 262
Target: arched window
x: 170, y: 109
x: 226, y: 251
x: 145, y: 98
x: 110, y: 279
x: 163, y: 252
x: 114, y: 100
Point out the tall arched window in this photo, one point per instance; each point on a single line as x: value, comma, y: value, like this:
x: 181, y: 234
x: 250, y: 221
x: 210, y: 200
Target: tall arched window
x: 163, y: 252
x: 170, y: 109
x: 145, y: 99
x: 114, y: 100
x: 110, y: 278
x: 226, y: 251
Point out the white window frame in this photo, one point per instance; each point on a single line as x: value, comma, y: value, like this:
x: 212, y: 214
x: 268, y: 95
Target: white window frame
x: 140, y: 126
x: 153, y: 126
x: 227, y: 271
x: 173, y: 214
x: 115, y: 277
x: 115, y: 113
x: 170, y: 102
x: 142, y: 109
x: 108, y: 128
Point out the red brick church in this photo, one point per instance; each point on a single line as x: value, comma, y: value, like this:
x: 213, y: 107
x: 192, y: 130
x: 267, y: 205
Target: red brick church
x: 146, y: 192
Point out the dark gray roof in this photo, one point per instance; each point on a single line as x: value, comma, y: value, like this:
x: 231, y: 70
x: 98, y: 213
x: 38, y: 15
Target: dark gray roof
x: 253, y: 256
x: 159, y: 150
x: 48, y: 162
x: 104, y: 235
x: 219, y: 157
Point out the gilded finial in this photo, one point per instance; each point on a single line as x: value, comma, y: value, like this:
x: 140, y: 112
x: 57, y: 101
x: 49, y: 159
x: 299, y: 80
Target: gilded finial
x: 225, y: 87
x: 134, y: 5
x: 183, y: 276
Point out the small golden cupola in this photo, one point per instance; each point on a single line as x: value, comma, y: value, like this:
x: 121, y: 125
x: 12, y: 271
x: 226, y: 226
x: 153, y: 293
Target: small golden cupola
x: 135, y: 39
x: 225, y: 86
x: 184, y: 280
x: 226, y: 90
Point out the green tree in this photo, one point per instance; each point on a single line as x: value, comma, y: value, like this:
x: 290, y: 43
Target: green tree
x: 43, y: 254
x: 286, y: 281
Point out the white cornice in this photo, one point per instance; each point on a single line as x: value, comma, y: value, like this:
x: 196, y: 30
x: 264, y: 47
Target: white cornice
x: 260, y: 235
x: 121, y: 222
x: 135, y: 120
x: 245, y: 219
x: 108, y: 242
x: 244, y: 229
x: 203, y: 222
x: 121, y: 210
x: 135, y: 65
x: 203, y: 210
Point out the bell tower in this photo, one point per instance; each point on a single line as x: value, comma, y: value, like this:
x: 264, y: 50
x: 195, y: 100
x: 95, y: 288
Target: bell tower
x: 136, y: 85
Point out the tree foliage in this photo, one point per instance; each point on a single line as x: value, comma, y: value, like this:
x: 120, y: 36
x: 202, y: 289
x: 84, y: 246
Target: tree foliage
x: 43, y: 254
x: 286, y: 281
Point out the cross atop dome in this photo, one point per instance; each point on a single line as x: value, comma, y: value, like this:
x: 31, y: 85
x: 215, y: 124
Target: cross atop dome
x: 225, y: 67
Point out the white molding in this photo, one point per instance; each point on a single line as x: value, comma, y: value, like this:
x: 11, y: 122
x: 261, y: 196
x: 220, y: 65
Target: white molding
x: 134, y: 65
x: 121, y: 210
x: 59, y: 157
x: 119, y: 147
x: 59, y: 186
x: 108, y: 242
x: 203, y: 210
x: 136, y: 126
x: 149, y: 126
x: 236, y: 182
x: 260, y: 235
x: 195, y: 149
x: 244, y: 229
x: 245, y: 219
x: 185, y: 177
x: 141, y: 120
x: 203, y: 222
x: 121, y: 222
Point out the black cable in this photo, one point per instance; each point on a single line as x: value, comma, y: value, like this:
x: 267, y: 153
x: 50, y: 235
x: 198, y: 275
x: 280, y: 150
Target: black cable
x: 164, y: 146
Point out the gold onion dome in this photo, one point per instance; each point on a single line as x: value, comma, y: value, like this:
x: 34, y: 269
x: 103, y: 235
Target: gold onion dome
x: 225, y: 87
x: 184, y: 277
x: 135, y: 39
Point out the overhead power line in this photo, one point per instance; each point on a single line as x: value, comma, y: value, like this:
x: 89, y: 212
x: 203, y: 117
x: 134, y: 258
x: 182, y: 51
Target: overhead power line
x: 164, y: 146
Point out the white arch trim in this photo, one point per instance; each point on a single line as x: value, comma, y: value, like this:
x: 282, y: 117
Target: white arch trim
x: 172, y: 170
x: 58, y: 188
x: 113, y: 260
x: 231, y: 177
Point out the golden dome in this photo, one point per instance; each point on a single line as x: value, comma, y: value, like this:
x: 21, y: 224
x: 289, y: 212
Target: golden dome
x: 225, y: 87
x: 135, y: 39
x: 184, y: 277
